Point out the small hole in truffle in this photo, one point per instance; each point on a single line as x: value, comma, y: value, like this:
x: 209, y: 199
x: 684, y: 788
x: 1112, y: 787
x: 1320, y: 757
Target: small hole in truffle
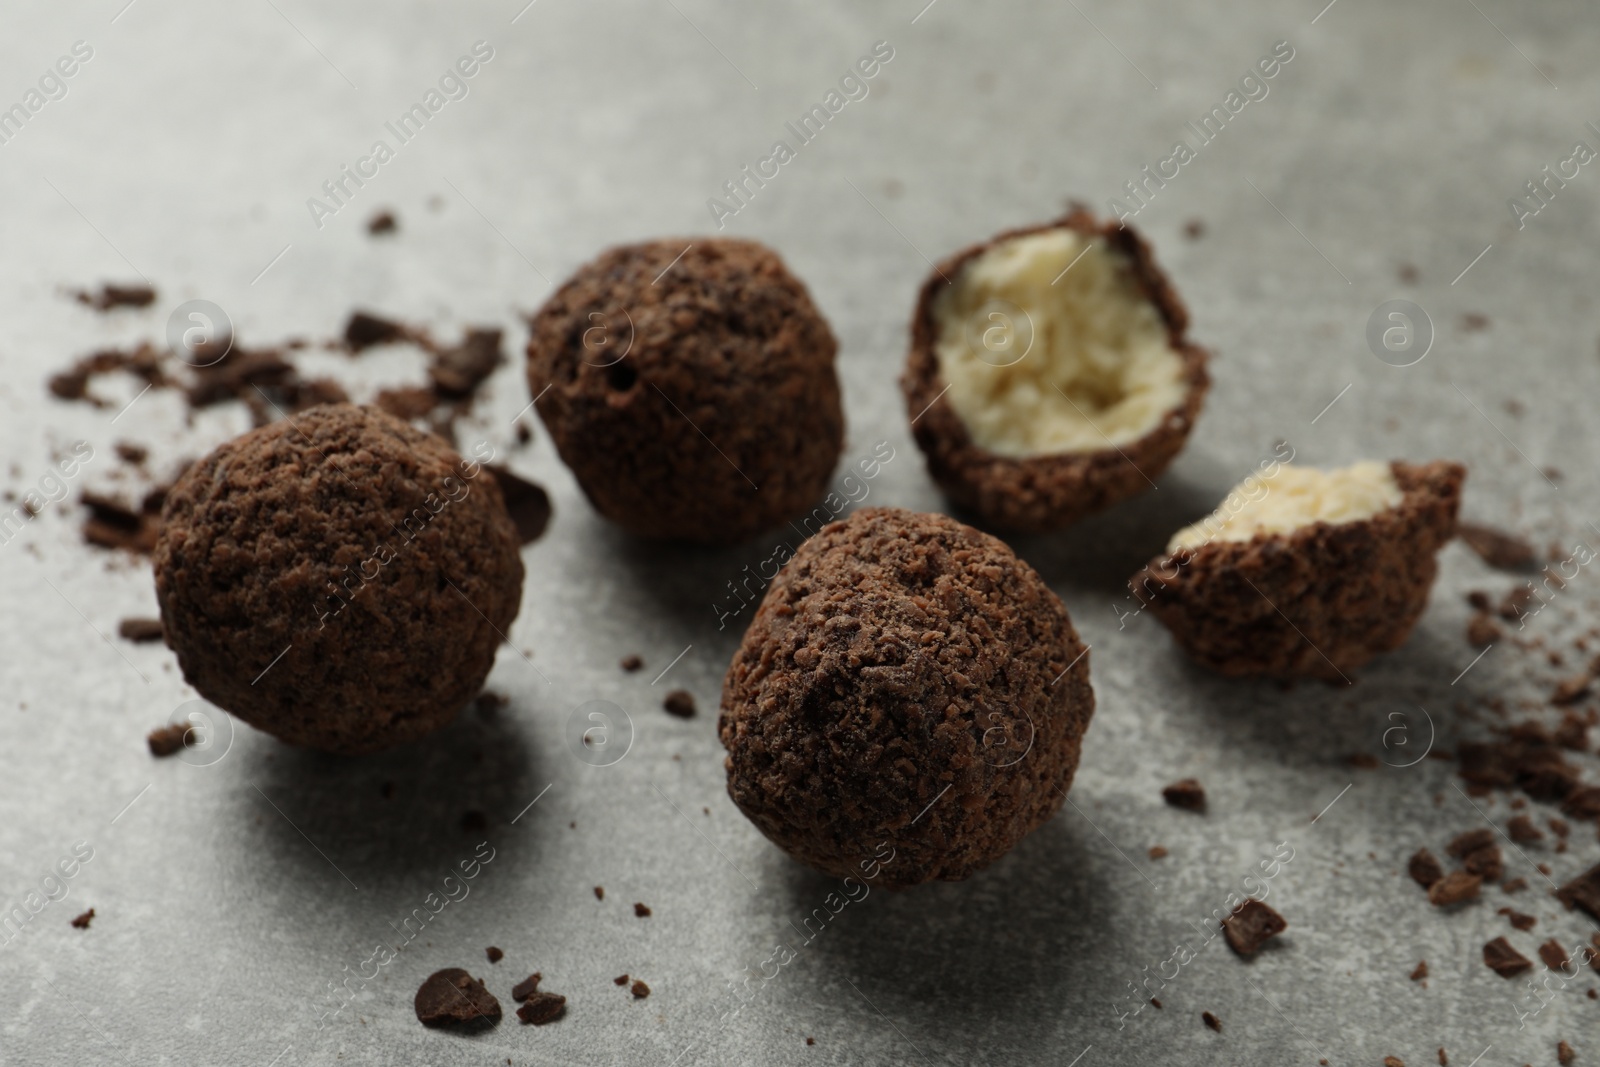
x: 621, y: 376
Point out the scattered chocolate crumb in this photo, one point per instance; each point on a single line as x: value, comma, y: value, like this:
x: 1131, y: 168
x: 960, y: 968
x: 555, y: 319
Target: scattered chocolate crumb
x: 473, y: 821
x: 1501, y: 551
x: 116, y: 296
x: 459, y: 369
x: 494, y: 954
x: 813, y: 1041
x: 1564, y: 1053
x: 408, y: 402
x: 527, y: 987
x: 641, y: 911
x: 1154, y: 1002
x: 1583, y: 803
x: 679, y: 702
x: 1522, y: 830
x: 639, y: 990
x: 1482, y: 630
x: 112, y: 523
x: 1583, y: 891
x: 383, y: 222
x: 1520, y: 920
x: 1188, y: 794
x: 452, y: 997
x: 365, y: 330
x: 1251, y: 925
x: 1554, y: 956
x: 1364, y: 760
x: 620, y: 979
x: 1485, y: 862
x: 1544, y: 869
x: 1453, y: 888
x: 1473, y: 321
x: 1424, y: 868
x: 82, y: 921
x: 1573, y: 733
x: 1502, y: 959
x: 1515, y: 885
x: 1515, y: 602
x: 632, y: 662
x: 131, y: 453
x: 165, y: 740
x: 1194, y: 229
x: 1560, y: 827
x: 1157, y: 852
x: 541, y: 1008
x: 140, y: 630
x: 1408, y: 273
x: 1471, y: 841
x: 1570, y: 689
x: 528, y: 503
x: 1444, y: 1061
x: 1420, y: 972
x: 1393, y: 1061
x: 1480, y: 600
x: 1211, y: 1021
x: 599, y: 892
x: 524, y: 434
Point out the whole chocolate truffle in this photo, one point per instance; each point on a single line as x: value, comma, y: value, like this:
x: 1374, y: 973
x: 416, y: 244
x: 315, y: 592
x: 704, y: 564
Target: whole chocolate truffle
x: 340, y: 580
x: 1303, y: 573
x: 690, y: 387
x: 908, y: 702
x: 1049, y: 374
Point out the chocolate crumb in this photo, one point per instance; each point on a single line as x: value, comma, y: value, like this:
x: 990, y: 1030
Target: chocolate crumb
x: 541, y: 1008
x: 365, y: 330
x: 639, y: 990
x: 1522, y: 830
x: 131, y: 453
x: 494, y: 954
x: 1366, y: 761
x: 1564, y: 1053
x: 811, y: 1041
x: 1420, y: 972
x: 1570, y: 689
x: 1515, y: 885
x: 165, y: 740
x: 1154, y: 1002
x: 1520, y: 920
x: 1194, y: 229
x: 524, y: 434
x: 1583, y: 891
x: 457, y: 371
x: 1251, y: 925
x: 679, y: 702
x: 1408, y: 273
x: 527, y: 987
x: 1187, y: 794
x: 1444, y: 1061
x: 631, y: 662
x: 528, y: 503
x: 82, y: 921
x: 116, y: 296
x: 1424, y: 868
x: 1573, y: 733
x: 112, y: 523
x: 1499, y: 550
x: 1471, y: 841
x: 1393, y: 1061
x: 1583, y: 803
x: 1157, y: 852
x: 1502, y: 959
x: 1554, y: 956
x: 1453, y: 888
x: 620, y: 979
x: 1480, y: 600
x: 1516, y: 602
x: 1560, y: 827
x: 452, y: 997
x: 1473, y: 321
x: 641, y: 911
x: 599, y: 892
x: 473, y: 821
x: 1483, y: 631
x: 1211, y: 1021
x: 140, y: 630
x: 1485, y: 862
x: 383, y: 222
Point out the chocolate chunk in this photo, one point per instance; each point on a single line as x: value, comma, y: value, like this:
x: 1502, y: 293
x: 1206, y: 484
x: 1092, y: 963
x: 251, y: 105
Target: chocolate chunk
x: 1188, y: 794
x: 813, y: 1041
x: 365, y: 330
x: 1211, y: 1021
x: 1470, y: 841
x: 1522, y: 830
x: 1583, y: 891
x: 459, y: 370
x: 1453, y: 888
x: 383, y: 222
x: 639, y: 990
x: 140, y: 630
x: 542, y: 1008
x: 165, y: 740
x: 1420, y: 971
x: 1554, y: 956
x: 117, y: 296
x: 82, y: 921
x: 452, y: 997
x: 1499, y: 550
x: 620, y: 979
x: 494, y: 954
x: 631, y: 662
x: 679, y: 702
x: 1502, y: 959
x: 527, y: 987
x: 1424, y: 868
x: 641, y: 911
x: 1250, y: 925
x: 527, y: 503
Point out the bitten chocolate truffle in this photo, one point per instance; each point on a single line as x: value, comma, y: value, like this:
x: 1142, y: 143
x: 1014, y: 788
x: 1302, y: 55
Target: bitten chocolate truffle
x: 340, y: 580
x: 1049, y: 375
x: 908, y: 702
x: 1306, y: 573
x: 690, y: 386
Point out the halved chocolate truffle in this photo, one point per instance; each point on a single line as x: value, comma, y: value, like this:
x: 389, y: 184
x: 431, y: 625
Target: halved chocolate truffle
x: 908, y: 702
x: 339, y: 580
x: 690, y: 386
x: 1306, y: 573
x: 1049, y: 375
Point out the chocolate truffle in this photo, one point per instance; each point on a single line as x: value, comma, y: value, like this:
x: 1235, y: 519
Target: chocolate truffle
x: 1306, y: 573
x: 690, y: 387
x: 908, y: 702
x: 1049, y: 376
x: 339, y: 580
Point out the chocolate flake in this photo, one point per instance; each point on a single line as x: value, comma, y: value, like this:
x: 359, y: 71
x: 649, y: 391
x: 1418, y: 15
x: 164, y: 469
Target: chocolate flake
x: 1393, y: 1061
x: 458, y: 370
x: 1157, y: 852
x: 1502, y: 959
x: 365, y: 330
x: 1564, y: 1053
x: 599, y: 892
x: 1251, y: 925
x: 620, y: 979
x: 1471, y: 841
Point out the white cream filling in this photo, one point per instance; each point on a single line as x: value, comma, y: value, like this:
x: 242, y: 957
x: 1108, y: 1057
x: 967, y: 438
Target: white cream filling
x: 1289, y: 497
x: 1041, y: 361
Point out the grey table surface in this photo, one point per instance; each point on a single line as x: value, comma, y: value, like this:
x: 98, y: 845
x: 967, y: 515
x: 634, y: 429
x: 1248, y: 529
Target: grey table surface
x: 238, y: 900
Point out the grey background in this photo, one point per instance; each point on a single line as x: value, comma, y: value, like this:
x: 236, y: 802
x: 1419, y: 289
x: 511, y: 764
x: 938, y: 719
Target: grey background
x: 229, y: 897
